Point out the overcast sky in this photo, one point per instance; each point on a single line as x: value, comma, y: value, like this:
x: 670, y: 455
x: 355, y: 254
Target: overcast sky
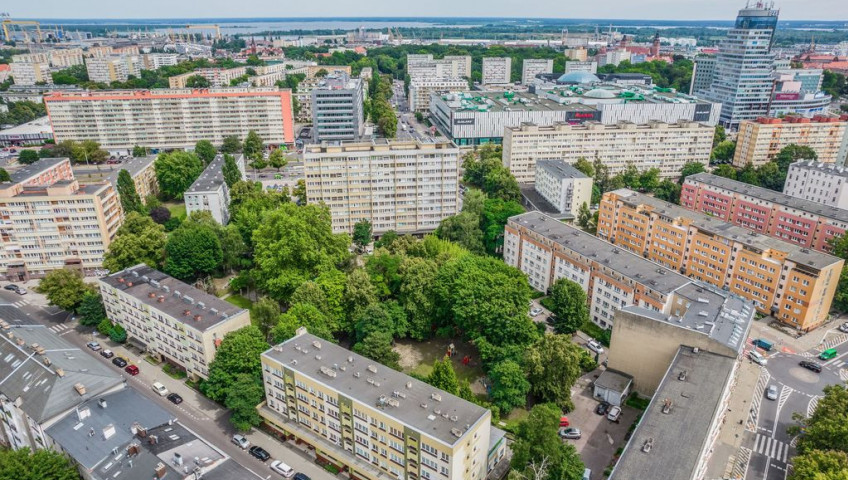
x: 625, y: 9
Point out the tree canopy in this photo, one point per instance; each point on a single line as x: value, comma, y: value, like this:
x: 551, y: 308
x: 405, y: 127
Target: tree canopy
x: 64, y: 288
x: 130, y: 201
x: 239, y: 353
x: 192, y: 250
x: 537, y: 440
x: 176, y: 171
x: 42, y: 464
x: 138, y: 240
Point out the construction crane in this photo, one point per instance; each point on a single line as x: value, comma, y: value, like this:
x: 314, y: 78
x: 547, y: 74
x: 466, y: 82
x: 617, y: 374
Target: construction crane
x: 206, y: 27
x: 7, y: 22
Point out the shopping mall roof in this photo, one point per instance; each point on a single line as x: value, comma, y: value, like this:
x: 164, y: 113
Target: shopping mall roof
x: 506, y: 102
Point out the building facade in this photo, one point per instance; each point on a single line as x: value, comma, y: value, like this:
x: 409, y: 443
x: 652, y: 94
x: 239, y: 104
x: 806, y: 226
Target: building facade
x: 114, y: 68
x: 565, y: 187
x: 209, y: 193
x: 375, y: 421
x: 824, y: 183
x: 656, y: 145
x: 497, y: 70
x: 31, y: 73
x: 420, y: 91
x: 795, y: 220
x: 760, y: 140
x: 171, y: 118
x: 155, y: 61
x: 581, y: 66
x: 793, y: 284
x: 217, y: 77
x: 143, y: 174
x: 50, y: 221
x: 168, y: 318
x: 423, y: 67
x: 405, y: 186
x: 703, y: 73
x: 337, y: 109
x: 534, y: 66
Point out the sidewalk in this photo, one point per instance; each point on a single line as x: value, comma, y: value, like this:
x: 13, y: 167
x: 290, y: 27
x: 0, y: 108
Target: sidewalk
x: 790, y: 344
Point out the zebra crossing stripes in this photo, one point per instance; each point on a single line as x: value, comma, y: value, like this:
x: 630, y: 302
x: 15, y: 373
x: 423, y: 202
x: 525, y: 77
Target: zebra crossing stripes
x: 20, y: 303
x: 60, y: 328
x: 762, y: 381
x: 771, y: 448
x: 833, y: 342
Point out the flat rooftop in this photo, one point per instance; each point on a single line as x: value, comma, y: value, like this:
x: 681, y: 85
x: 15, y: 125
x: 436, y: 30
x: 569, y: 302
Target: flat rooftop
x: 825, y: 168
x: 560, y: 169
x: 211, y: 179
x: 148, y: 286
x: 486, y: 101
x: 34, y: 169
x: 39, y: 126
x: 796, y: 253
x: 800, y: 204
x: 133, y: 166
x: 611, y: 93
x: 677, y: 438
x: 369, y: 383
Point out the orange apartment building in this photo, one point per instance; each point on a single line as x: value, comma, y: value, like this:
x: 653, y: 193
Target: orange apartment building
x: 792, y: 283
x: 759, y: 141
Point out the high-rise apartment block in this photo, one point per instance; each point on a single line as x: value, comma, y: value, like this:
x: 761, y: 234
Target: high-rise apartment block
x: 497, y: 70
x: 114, y: 68
x: 823, y: 183
x: 171, y: 118
x: 534, y: 66
x: 217, y: 77
x: 578, y: 54
x: 425, y: 67
x: 420, y: 91
x: 337, y: 108
x: 407, y: 187
x: 703, y: 73
x: 759, y: 141
x: 584, y: 66
x: 171, y: 319
x: 655, y: 145
x: 50, y: 221
x: 371, y: 420
x: 795, y: 220
x: 314, y: 70
x: 66, y: 57
x: 30, y: 73
x: 563, y: 186
x: 154, y: 61
x: 793, y: 284
x: 210, y: 193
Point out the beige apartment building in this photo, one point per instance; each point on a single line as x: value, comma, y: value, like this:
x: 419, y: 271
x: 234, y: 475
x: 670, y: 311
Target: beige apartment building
x: 422, y: 67
x: 217, y: 77
x: 792, y: 283
x: 171, y: 319
x: 312, y: 70
x: 666, y: 146
x: 50, y: 221
x: 405, y: 186
x: 143, y: 174
x: 170, y: 118
x: 375, y: 422
x: 420, y: 91
x: 30, y: 73
x: 496, y: 70
x: 759, y: 141
x: 114, y: 68
x: 66, y: 57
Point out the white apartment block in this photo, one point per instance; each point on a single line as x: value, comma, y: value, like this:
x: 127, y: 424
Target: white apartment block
x: 31, y: 73
x: 534, y: 66
x: 759, y: 141
x: 114, y: 68
x: 217, y: 77
x: 612, y: 57
x: 565, y: 187
x: 655, y: 145
x: 175, y: 118
x: 209, y: 193
x: 376, y: 422
x: 182, y: 325
x: 405, y: 186
x: 421, y: 90
x: 50, y: 221
x: 154, y: 61
x: 579, y: 54
x: 824, y: 183
x: 424, y: 67
x: 463, y: 64
x: 99, y: 51
x: 584, y: 66
x: 66, y: 57
x: 497, y: 70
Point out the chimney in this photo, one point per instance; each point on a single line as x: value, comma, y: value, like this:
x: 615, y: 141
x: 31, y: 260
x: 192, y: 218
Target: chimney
x: 60, y: 372
x: 186, y: 312
x: 151, y: 295
x: 161, y: 299
x: 160, y: 471
x: 80, y: 388
x: 198, y: 318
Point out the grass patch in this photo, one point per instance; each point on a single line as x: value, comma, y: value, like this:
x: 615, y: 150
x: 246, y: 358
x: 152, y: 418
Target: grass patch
x: 534, y: 294
x: 514, y: 418
x: 174, y: 372
x: 331, y: 468
x: 240, y: 301
x: 178, y: 210
x: 596, y: 332
x: 151, y: 360
x: 637, y: 402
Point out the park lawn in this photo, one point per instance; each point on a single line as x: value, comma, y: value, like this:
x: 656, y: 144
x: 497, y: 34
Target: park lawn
x: 178, y: 210
x: 240, y: 301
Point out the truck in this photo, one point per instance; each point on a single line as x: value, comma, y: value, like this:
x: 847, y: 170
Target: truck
x: 764, y: 344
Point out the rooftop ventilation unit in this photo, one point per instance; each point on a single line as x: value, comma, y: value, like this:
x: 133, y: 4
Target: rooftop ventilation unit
x: 328, y: 372
x: 356, y: 374
x: 188, y: 300
x: 435, y: 396
x: 372, y: 369
x: 317, y: 345
x: 201, y: 305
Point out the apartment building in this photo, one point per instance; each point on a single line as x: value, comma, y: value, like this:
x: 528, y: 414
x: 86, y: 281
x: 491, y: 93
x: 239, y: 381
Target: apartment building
x: 170, y: 118
x: 99, y: 51
x: 372, y: 420
x: 168, y: 318
x: 660, y: 145
x: 760, y: 140
x: 792, y: 219
x: 563, y: 186
x: 337, y: 112
x: 497, y: 70
x: 114, y: 68
x: 581, y: 66
x: 142, y: 173
x: 534, y: 66
x: 424, y: 67
x: 579, y: 54
x: 463, y: 64
x: 65, y: 57
x: 703, y: 74
x: 50, y: 221
x: 405, y: 186
x: 420, y: 91
x: 209, y: 193
x: 30, y: 73
x: 824, y: 183
x: 312, y: 70
x: 154, y: 61
x: 793, y: 284
x: 217, y: 77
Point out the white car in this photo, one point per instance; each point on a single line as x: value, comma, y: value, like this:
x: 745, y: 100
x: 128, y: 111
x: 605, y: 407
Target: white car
x: 243, y: 443
x: 282, y: 468
x: 536, y: 311
x: 595, y: 346
x: 160, y: 389
x: 614, y: 413
x: 758, y: 358
x: 771, y: 393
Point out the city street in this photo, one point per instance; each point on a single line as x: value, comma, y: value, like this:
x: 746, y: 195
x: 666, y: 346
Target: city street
x: 196, y: 412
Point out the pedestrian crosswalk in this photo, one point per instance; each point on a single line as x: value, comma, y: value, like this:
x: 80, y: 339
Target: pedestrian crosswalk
x: 771, y: 448
x: 20, y: 303
x: 60, y: 328
x: 833, y: 341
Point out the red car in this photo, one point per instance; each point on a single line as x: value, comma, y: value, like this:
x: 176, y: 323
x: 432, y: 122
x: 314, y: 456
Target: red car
x: 132, y: 370
x: 563, y: 421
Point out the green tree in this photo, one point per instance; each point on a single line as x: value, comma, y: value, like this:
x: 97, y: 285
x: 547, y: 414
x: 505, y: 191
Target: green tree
x: 191, y: 251
x: 538, y: 438
x: 386, y: 317
x: 463, y: 229
x: 771, y: 176
x: 362, y: 233
x: 793, y: 153
x: 827, y: 427
x: 378, y: 347
x: 242, y: 398
x: 384, y: 269
x: 139, y: 151
x: 230, y: 170
x: 668, y: 191
x: 176, y: 171
x: 839, y: 247
x: 277, y: 159
x: 197, y: 81
x: 585, y: 166
x: 27, y: 157
x: 253, y: 147
x: 569, y: 306
x: 719, y: 136
x: 359, y: 295
x: 726, y: 171
x: 264, y: 314
x: 649, y: 179
x: 473, y: 201
x: 509, y: 385
x: 748, y: 174
x: 130, y: 201
x: 499, y: 183
x: 91, y: 310
x: 552, y: 366
x: 443, y: 376
x: 118, y: 334
x: 138, y: 240
x: 88, y: 151
x: 4, y: 175
x: 231, y: 145
x: 299, y: 192
x: 820, y: 465
x: 691, y: 168
x: 42, y: 464
x: 723, y: 152
x: 493, y: 218
x: 418, y: 276
x: 64, y: 288
x: 302, y: 315
x: 238, y: 353
x: 205, y: 151
x: 584, y: 217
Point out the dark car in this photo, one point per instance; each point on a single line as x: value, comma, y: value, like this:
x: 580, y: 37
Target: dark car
x: 119, y: 362
x: 14, y: 288
x: 259, y: 453
x: 602, y: 408
x: 175, y: 398
x: 811, y: 366
x: 301, y: 476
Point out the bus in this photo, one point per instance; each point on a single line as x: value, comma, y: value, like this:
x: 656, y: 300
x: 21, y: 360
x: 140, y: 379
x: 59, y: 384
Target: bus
x: 827, y: 354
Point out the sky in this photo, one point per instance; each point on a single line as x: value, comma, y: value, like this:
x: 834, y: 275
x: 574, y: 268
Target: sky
x: 624, y: 9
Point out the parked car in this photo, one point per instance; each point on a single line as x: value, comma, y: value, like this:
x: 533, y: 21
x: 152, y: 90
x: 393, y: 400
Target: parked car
x: 536, y: 311
x: 587, y: 474
x: 570, y: 433
x: 771, y: 393
x: 563, y: 421
x: 107, y: 353
x: 595, y: 346
x: 175, y: 398
x: 301, y: 476
x: 160, y: 389
x: 119, y: 362
x: 602, y: 408
x: 131, y: 369
x: 757, y: 358
x: 282, y: 468
x: 828, y: 354
x: 811, y: 366
x: 614, y: 413
x: 93, y: 345
x: 241, y: 441
x: 15, y: 288
x: 259, y: 453
x: 844, y: 327
x: 763, y: 343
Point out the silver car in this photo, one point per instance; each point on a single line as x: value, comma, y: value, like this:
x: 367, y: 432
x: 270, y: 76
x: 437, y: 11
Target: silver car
x: 570, y: 433
x: 771, y: 393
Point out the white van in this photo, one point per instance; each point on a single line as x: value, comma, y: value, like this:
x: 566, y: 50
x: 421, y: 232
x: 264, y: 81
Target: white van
x: 587, y: 474
x: 758, y: 358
